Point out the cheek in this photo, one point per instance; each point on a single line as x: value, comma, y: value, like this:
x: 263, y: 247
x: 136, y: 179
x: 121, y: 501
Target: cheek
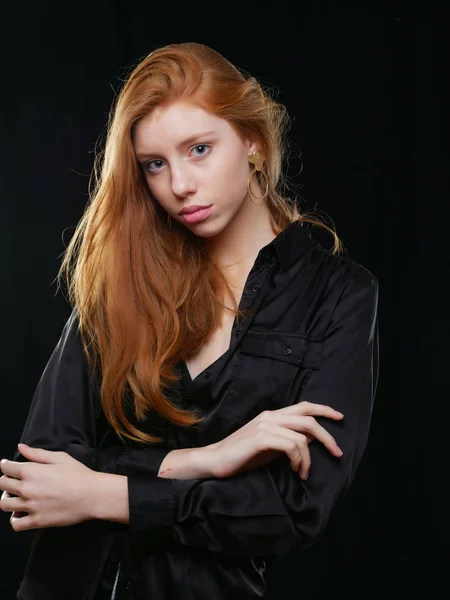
x: 159, y: 192
x: 231, y: 177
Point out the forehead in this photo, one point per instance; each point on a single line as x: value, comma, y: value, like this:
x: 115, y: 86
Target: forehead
x: 168, y: 125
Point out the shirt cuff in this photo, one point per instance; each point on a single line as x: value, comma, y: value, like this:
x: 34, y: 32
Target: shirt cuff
x: 151, y: 498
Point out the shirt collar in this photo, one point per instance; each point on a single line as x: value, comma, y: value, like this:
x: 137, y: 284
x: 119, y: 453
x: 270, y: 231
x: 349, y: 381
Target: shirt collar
x: 291, y: 243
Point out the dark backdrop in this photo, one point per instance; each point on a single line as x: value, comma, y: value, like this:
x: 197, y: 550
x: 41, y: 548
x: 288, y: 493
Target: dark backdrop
x: 369, y: 148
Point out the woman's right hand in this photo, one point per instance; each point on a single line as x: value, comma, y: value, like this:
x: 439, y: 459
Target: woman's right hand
x: 289, y: 429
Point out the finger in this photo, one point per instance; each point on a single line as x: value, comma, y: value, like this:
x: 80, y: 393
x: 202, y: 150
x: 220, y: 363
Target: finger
x: 307, y: 424
x: 22, y: 523
x: 309, y: 408
x: 305, y: 461
x: 10, y: 485
x: 11, y: 504
x: 274, y: 437
x: 310, y: 425
x: 12, y: 468
x: 38, y: 454
x: 304, y: 424
x: 299, y: 453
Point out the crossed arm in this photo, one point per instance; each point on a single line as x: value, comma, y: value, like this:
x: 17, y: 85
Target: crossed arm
x: 266, y: 511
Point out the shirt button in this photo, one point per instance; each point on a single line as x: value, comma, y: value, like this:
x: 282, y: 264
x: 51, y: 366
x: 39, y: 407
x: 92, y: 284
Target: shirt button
x: 255, y: 288
x: 287, y: 351
x: 207, y: 375
x: 237, y: 332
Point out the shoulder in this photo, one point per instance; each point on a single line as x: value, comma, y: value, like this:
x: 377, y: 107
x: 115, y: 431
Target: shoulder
x: 342, y: 286
x: 355, y: 275
x: 343, y: 273
x: 355, y: 297
x: 70, y: 330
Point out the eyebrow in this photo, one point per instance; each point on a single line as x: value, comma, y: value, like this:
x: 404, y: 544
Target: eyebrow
x: 185, y: 142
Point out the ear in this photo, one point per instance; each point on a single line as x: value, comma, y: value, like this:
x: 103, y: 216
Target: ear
x: 252, y: 146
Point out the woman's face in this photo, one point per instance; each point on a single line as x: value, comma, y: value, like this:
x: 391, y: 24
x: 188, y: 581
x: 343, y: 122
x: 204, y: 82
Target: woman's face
x: 191, y: 157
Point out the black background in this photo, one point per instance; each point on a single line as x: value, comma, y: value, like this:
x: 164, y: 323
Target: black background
x: 370, y: 149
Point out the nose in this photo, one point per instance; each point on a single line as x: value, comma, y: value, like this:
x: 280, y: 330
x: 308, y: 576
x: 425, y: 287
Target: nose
x: 182, y: 181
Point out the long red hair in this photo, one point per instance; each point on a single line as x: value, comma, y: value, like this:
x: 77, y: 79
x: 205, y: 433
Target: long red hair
x: 148, y: 296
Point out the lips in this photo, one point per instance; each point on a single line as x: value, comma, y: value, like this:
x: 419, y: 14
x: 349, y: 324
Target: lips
x: 187, y: 210
x: 198, y: 215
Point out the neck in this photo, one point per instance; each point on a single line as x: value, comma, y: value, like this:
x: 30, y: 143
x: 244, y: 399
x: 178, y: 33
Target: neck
x: 235, y: 249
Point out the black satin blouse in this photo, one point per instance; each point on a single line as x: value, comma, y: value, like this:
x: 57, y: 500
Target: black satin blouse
x: 312, y: 335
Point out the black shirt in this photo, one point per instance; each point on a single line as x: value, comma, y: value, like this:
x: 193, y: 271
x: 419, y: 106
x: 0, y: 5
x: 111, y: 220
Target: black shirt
x: 312, y: 335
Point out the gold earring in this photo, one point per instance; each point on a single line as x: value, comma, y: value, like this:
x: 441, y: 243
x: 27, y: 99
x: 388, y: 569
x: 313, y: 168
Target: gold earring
x: 257, y: 159
x: 266, y: 193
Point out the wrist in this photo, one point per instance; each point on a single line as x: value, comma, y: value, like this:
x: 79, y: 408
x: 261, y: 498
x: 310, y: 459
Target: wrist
x: 187, y: 463
x: 107, y: 497
x: 203, y: 459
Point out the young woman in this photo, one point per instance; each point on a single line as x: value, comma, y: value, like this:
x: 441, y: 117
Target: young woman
x: 209, y: 400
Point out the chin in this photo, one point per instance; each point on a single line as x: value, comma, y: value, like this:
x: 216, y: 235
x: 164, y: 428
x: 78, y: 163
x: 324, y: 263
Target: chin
x: 206, y: 231
x: 214, y: 226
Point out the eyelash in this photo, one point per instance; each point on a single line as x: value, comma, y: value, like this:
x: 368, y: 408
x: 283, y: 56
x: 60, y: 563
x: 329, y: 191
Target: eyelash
x: 208, y: 146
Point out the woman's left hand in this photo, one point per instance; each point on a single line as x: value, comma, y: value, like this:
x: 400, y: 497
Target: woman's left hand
x: 53, y: 489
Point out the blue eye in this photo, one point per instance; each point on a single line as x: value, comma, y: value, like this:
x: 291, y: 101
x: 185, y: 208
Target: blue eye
x: 157, y: 161
x: 202, y: 146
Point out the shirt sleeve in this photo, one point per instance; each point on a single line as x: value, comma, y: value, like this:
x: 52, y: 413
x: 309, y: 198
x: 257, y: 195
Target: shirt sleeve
x: 270, y: 510
x: 263, y: 512
x: 65, y: 412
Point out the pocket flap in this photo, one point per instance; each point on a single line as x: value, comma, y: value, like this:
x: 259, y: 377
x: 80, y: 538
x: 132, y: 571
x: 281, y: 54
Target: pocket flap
x: 294, y: 348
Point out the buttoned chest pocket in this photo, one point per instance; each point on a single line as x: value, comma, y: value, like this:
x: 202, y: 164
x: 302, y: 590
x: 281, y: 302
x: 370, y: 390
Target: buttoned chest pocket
x: 272, y: 371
